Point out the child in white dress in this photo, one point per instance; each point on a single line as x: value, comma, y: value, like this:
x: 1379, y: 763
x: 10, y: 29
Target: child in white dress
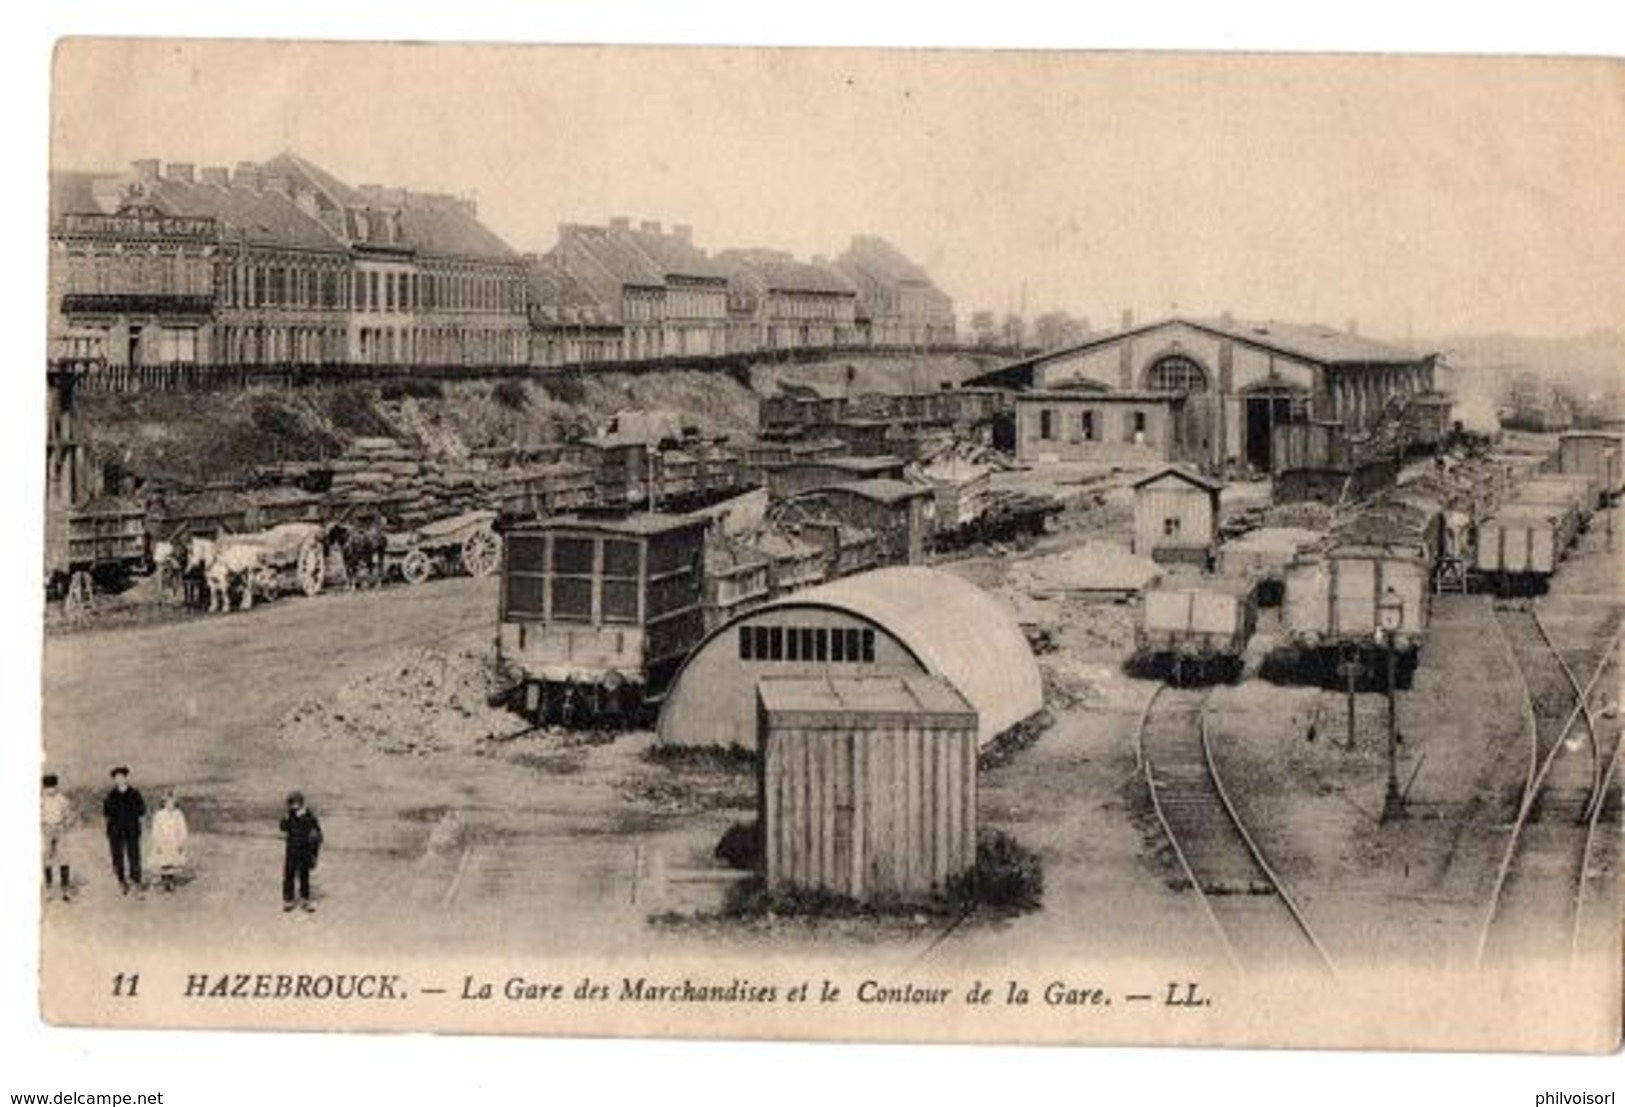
x: 168, y: 853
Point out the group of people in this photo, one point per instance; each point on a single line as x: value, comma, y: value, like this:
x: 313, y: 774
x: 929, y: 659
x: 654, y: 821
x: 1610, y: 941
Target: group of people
x: 124, y: 811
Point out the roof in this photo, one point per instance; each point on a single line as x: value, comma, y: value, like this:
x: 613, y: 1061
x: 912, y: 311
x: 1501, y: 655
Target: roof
x: 780, y: 272
x: 956, y: 630
x: 435, y: 224
x: 556, y: 294
x: 671, y: 255
x: 835, y: 697
x: 1108, y: 395
x: 644, y: 523
x: 851, y: 464
x: 1187, y: 475
x: 879, y: 489
x: 723, y: 555
x: 73, y: 192
x: 1309, y: 342
x: 880, y: 260
x: 263, y: 216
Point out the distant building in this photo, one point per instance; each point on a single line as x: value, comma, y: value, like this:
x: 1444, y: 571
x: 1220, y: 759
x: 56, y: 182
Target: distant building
x: 568, y: 324
x: 669, y: 298
x: 897, y: 304
x: 1238, y: 379
x: 779, y: 303
x: 280, y: 264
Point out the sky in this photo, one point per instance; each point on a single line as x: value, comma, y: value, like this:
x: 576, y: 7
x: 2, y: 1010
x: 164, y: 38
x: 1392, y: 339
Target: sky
x: 1424, y: 196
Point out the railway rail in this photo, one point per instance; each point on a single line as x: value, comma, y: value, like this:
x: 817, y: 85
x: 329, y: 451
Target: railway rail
x: 1258, y: 923
x: 1535, y: 904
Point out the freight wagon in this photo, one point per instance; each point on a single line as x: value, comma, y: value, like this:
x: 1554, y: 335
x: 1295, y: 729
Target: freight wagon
x: 1521, y: 546
x: 1196, y: 630
x: 1347, y: 600
x: 598, y: 614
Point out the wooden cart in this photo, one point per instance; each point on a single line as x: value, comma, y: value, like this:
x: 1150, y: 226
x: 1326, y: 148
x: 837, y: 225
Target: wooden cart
x: 465, y: 543
x: 98, y: 544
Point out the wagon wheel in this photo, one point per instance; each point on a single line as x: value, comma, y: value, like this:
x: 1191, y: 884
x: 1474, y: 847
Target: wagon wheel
x: 312, y: 568
x: 481, y: 552
x: 416, y: 567
x: 76, y: 601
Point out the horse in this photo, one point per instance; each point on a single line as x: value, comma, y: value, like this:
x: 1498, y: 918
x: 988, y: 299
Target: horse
x: 220, y: 564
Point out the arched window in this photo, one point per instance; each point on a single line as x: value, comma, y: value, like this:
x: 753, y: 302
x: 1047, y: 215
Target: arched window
x: 1176, y: 373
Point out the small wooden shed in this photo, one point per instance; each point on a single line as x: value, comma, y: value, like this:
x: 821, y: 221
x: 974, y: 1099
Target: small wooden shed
x: 1176, y: 514
x: 867, y: 784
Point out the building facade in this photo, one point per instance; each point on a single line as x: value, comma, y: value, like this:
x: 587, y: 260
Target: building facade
x: 276, y: 264
x: 1238, y: 380
x: 778, y: 303
x: 897, y: 305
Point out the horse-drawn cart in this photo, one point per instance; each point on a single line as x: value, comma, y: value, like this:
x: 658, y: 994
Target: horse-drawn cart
x: 98, y: 544
x: 466, y: 543
x: 287, y: 557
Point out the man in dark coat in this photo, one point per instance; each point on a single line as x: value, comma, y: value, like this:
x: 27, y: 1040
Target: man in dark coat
x: 123, y: 809
x: 303, y: 837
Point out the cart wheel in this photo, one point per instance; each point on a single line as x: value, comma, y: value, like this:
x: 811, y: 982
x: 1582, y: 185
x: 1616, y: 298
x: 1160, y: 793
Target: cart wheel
x: 481, y: 552
x: 76, y: 601
x: 416, y: 567
x: 312, y: 568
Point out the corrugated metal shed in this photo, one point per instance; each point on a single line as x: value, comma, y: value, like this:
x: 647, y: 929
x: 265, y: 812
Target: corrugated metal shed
x: 944, y: 625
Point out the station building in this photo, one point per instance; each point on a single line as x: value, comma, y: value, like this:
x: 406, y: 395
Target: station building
x: 1236, y: 380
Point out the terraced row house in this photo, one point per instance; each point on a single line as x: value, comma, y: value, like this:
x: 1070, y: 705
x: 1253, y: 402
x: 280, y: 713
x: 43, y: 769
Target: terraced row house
x: 281, y: 263
x: 778, y: 303
x: 276, y: 263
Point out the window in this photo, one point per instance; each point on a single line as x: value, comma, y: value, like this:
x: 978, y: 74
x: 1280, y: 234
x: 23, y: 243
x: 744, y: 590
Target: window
x: 759, y: 637
x: 1139, y: 421
x: 1086, y: 426
x: 746, y: 640
x: 1176, y: 373
x: 868, y: 644
x: 775, y: 643
x: 837, y: 645
x: 1046, y: 424
x: 1170, y: 528
x: 792, y: 650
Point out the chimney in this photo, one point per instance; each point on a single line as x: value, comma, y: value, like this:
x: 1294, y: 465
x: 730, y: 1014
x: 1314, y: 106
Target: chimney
x: 530, y: 257
x: 620, y: 223
x: 214, y: 175
x: 370, y: 191
x: 470, y: 207
x: 146, y: 170
x: 306, y: 199
x: 650, y: 226
x: 1353, y: 326
x: 1128, y: 320
x: 276, y: 182
x: 246, y: 175
x: 180, y: 171
x: 683, y: 232
x: 1227, y: 320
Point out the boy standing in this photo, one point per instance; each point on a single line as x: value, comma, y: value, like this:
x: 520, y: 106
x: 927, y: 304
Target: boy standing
x: 56, y: 816
x: 303, y: 838
x: 124, y: 809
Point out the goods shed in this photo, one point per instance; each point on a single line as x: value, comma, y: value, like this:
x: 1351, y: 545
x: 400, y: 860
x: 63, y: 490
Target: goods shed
x: 898, y: 622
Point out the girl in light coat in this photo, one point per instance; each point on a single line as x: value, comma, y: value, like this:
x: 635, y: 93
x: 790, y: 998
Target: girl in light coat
x: 168, y: 853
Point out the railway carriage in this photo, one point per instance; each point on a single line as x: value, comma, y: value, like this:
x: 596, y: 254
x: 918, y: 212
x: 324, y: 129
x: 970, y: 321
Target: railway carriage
x: 599, y: 613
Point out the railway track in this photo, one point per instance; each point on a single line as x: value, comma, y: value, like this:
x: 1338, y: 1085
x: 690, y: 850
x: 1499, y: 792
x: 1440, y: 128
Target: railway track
x: 1257, y: 922
x: 1535, y: 907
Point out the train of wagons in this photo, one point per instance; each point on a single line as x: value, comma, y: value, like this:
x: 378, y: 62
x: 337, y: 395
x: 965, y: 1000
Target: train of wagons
x: 1368, y: 584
